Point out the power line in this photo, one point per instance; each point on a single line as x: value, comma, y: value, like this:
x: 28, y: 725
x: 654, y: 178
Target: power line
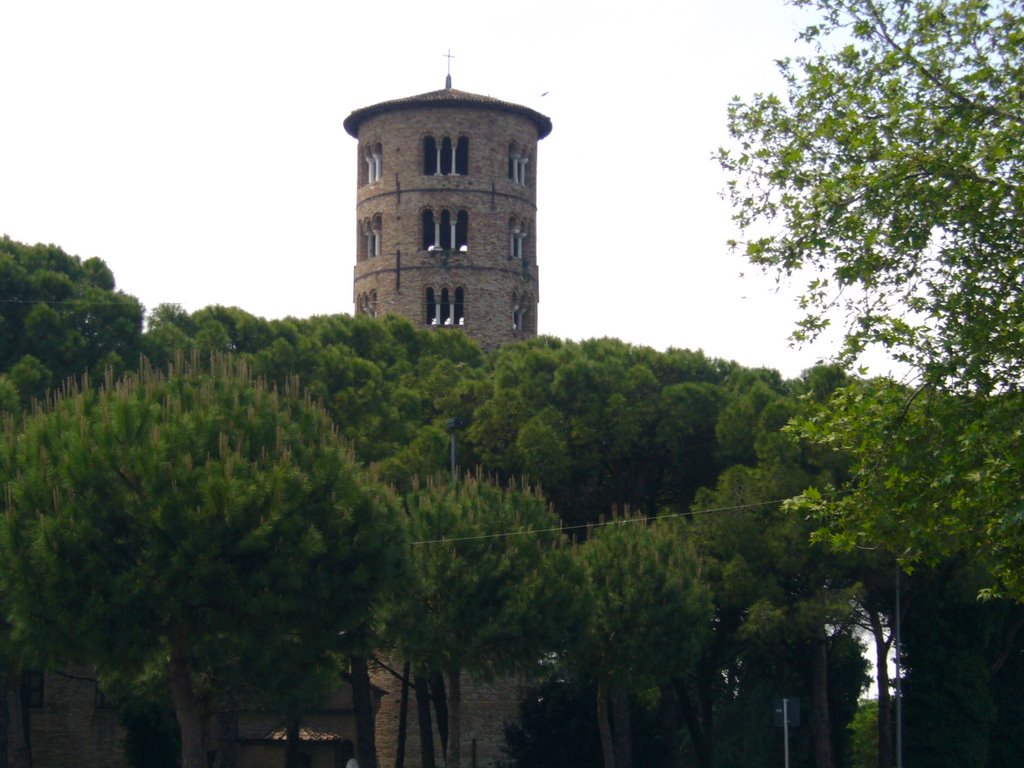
x: 617, y: 521
x: 88, y: 302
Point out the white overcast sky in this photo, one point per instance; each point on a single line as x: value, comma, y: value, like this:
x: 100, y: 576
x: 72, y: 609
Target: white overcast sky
x: 198, y: 148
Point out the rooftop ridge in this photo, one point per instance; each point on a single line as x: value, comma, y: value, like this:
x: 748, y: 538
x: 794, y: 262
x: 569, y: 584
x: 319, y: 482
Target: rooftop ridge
x: 448, y: 97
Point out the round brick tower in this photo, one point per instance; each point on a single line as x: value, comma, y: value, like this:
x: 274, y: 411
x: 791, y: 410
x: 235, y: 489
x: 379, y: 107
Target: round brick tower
x: 446, y: 213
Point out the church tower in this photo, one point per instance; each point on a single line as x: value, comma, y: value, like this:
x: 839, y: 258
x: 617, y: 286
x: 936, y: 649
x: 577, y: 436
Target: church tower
x: 446, y: 213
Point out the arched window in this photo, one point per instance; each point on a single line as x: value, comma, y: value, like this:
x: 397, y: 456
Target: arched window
x: 516, y: 238
x: 459, y: 311
x: 374, y: 158
x: 520, y: 305
x: 376, y: 230
x: 517, y: 161
x: 445, y: 308
x: 461, y: 230
x: 445, y: 157
x: 431, y: 233
x: 432, y: 308
x: 366, y: 304
x: 430, y: 156
x: 462, y: 156
x: 370, y: 238
x: 445, y: 232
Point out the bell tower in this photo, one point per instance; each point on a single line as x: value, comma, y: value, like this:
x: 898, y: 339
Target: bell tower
x: 446, y: 213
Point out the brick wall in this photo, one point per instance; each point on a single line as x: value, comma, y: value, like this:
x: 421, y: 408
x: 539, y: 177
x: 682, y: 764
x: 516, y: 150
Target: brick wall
x: 486, y: 708
x: 488, y: 274
x: 71, y: 730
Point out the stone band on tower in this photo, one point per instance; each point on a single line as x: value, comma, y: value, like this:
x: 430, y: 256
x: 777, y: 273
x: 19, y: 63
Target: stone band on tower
x: 446, y: 213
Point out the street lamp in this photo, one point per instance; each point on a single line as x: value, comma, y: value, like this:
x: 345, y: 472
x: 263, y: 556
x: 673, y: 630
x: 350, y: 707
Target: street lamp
x: 451, y: 425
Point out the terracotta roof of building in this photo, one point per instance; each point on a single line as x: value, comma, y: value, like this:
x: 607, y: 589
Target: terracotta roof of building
x: 447, y: 97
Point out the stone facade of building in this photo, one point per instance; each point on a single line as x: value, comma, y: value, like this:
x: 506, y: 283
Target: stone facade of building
x: 72, y: 725
x: 446, y: 213
x: 71, y: 722
x: 487, y: 707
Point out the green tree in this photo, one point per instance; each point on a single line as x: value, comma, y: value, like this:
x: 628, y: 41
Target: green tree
x: 648, y: 615
x: 893, y: 174
x: 557, y: 727
x: 782, y: 606
x: 862, y: 751
x: 491, y: 588
x: 187, y: 523
x: 61, y: 316
x: 600, y: 424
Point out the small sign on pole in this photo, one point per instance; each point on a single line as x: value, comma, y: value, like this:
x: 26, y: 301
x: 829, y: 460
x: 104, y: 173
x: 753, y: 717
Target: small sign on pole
x: 786, y: 715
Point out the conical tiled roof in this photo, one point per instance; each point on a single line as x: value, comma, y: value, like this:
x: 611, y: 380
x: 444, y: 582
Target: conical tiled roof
x: 446, y: 97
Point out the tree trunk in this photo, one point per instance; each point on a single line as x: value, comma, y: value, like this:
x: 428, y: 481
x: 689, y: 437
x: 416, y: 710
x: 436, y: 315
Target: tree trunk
x: 291, y: 748
x: 403, y: 718
x: 19, y: 752
x: 819, y: 701
x: 699, y: 718
x: 362, y: 701
x: 669, y: 711
x: 454, y: 754
x: 604, y: 725
x: 227, y: 738
x: 186, y: 707
x: 884, y: 697
x: 423, y: 718
x: 440, y: 699
x: 5, y: 722
x: 623, y: 726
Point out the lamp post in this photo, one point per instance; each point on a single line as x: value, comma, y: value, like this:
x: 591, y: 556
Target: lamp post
x: 899, y: 676
x: 452, y: 425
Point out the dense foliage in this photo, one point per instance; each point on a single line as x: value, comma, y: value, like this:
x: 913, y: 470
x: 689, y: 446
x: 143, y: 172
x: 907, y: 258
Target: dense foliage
x: 892, y: 174
x: 194, y: 521
x: 59, y: 317
x: 683, y: 625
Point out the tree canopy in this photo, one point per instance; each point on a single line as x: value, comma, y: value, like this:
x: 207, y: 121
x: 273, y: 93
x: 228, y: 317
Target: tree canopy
x: 892, y: 174
x: 194, y: 521
x: 486, y: 592
x: 59, y: 317
x: 601, y: 424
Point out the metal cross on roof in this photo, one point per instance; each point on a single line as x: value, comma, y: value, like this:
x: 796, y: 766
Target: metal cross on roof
x: 448, y: 79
